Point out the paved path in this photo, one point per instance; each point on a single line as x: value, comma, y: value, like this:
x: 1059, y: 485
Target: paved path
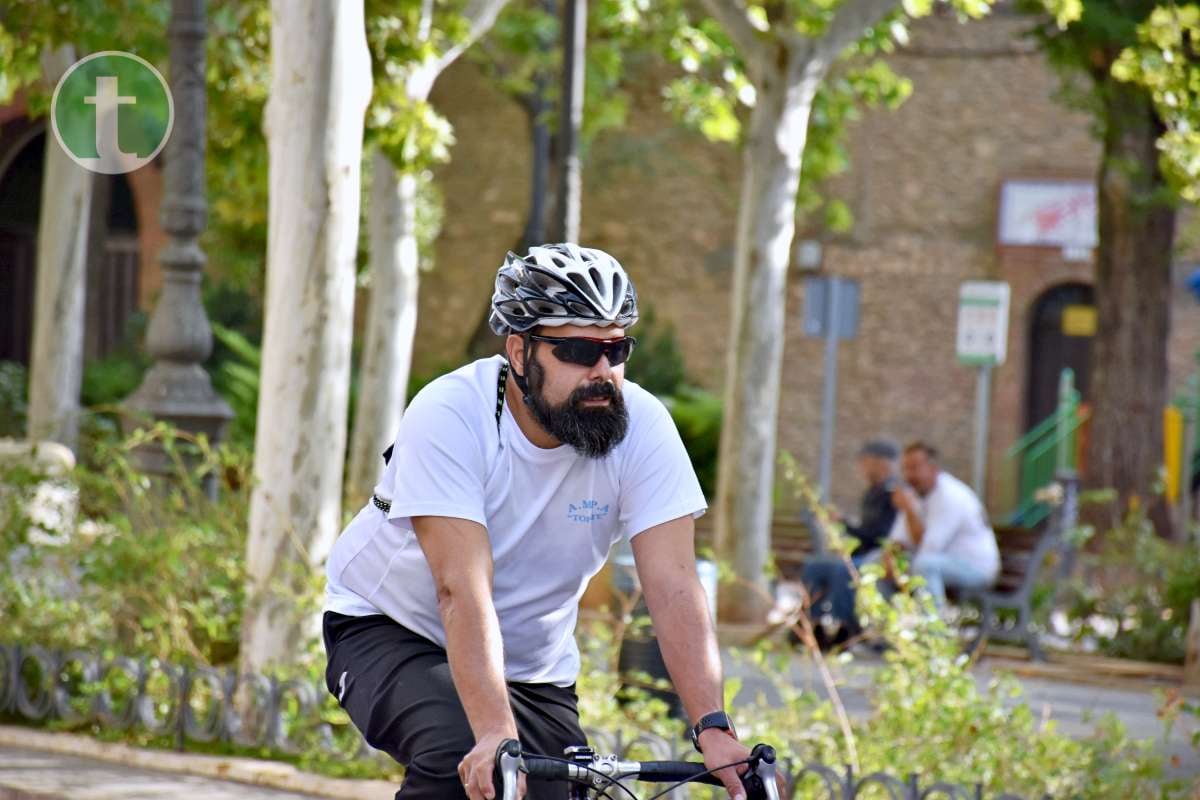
x: 30, y: 775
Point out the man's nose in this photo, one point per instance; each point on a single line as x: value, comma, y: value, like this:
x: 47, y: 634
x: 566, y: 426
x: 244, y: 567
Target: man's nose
x: 601, y: 370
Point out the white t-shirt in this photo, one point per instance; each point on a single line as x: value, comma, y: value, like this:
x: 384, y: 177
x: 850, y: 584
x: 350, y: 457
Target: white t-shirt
x: 551, y: 515
x: 955, y: 524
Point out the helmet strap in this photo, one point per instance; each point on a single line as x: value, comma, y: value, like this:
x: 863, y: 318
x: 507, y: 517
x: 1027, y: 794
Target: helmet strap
x: 520, y: 380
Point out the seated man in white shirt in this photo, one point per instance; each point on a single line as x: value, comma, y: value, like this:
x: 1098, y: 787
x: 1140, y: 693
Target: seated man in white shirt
x: 943, y: 524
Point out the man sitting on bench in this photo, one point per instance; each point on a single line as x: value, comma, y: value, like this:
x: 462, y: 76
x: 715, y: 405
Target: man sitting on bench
x: 943, y: 525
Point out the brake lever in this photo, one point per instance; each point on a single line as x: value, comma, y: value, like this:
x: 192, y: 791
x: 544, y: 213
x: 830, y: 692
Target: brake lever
x: 508, y: 763
x: 763, y: 759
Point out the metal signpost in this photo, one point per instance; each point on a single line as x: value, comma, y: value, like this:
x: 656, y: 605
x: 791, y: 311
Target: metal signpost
x: 830, y: 312
x: 982, y: 342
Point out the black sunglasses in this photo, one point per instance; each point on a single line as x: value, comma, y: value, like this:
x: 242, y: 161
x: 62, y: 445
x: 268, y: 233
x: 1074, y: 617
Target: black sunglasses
x: 586, y: 351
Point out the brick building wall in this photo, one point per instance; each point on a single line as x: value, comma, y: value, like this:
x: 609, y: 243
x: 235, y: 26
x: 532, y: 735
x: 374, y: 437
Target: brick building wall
x: 923, y: 186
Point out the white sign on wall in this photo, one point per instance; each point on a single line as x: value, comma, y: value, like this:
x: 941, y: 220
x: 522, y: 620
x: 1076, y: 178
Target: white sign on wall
x: 1050, y: 213
x: 982, y: 322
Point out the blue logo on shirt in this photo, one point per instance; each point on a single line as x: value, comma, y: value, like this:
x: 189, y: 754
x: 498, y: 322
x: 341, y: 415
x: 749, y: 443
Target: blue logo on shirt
x: 586, y: 511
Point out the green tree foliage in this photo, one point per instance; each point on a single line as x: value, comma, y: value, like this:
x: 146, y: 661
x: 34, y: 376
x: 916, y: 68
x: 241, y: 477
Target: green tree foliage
x: 715, y: 91
x: 714, y: 95
x: 1166, y: 60
x: 403, y: 38
x: 525, y: 42
x: 236, y: 81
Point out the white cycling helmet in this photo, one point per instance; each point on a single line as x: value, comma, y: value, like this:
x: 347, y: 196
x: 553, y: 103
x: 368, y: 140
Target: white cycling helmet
x: 561, y: 284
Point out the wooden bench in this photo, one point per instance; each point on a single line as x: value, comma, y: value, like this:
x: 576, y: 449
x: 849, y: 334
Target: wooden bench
x: 792, y: 542
x: 1024, y: 560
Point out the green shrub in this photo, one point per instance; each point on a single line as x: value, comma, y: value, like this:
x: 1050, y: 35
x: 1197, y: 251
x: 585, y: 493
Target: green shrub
x: 236, y: 378
x: 149, y: 567
x: 14, y: 388
x: 697, y: 415
x: 657, y: 365
x: 111, y: 379
x: 1134, y: 595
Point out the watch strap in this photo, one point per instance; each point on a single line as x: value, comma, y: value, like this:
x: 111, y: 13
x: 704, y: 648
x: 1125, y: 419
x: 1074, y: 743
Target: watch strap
x: 715, y: 719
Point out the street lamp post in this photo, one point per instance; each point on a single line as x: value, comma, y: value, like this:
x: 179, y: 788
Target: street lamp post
x: 176, y: 389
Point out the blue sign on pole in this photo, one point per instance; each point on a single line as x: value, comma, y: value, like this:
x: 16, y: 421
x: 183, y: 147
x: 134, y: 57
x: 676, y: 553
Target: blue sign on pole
x: 819, y: 295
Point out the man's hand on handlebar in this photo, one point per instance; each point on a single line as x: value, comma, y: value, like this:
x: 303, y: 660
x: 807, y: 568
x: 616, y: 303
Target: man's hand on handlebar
x: 476, y: 769
x: 720, y: 748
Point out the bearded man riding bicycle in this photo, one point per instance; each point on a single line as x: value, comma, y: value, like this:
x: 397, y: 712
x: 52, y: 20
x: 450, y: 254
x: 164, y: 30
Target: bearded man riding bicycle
x: 453, y: 595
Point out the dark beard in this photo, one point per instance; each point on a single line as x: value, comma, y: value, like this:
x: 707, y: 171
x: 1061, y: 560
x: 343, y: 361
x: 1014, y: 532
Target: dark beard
x: 592, y: 432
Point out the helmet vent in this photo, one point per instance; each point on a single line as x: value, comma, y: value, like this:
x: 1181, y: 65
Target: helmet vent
x: 579, y: 281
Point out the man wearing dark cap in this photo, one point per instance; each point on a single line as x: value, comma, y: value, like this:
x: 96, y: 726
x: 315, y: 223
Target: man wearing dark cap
x: 827, y: 578
x: 877, y: 465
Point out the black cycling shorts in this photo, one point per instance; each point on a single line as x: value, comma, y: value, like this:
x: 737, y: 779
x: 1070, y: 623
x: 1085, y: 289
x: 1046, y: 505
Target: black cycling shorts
x: 397, y: 689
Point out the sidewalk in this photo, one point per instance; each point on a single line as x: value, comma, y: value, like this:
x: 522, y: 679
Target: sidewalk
x: 31, y: 775
x: 38, y: 765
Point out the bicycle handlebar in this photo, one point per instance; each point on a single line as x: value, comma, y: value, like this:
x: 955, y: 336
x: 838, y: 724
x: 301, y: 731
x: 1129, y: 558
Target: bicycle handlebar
x: 600, y: 771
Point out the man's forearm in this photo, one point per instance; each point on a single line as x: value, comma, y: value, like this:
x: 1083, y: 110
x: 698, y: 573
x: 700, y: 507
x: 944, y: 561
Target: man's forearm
x: 476, y: 655
x: 688, y: 642
x: 916, y: 527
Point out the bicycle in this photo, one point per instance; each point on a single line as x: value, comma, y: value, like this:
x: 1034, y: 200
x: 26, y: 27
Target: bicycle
x: 593, y: 776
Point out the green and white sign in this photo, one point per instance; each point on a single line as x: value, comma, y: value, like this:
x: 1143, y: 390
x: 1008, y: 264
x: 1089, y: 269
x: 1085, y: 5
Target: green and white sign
x: 112, y: 112
x: 982, y: 322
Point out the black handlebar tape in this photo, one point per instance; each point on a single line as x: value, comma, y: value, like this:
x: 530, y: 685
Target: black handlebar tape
x: 547, y: 769
x: 674, y: 771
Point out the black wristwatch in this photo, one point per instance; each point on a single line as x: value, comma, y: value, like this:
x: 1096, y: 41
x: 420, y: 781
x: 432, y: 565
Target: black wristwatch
x: 717, y: 719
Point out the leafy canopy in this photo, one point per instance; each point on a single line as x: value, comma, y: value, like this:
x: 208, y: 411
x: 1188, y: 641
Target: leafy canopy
x: 1166, y: 61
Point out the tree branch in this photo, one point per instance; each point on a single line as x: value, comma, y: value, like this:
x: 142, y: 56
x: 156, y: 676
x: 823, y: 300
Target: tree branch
x: 480, y: 15
x: 850, y: 21
x: 751, y: 46
x: 426, y: 24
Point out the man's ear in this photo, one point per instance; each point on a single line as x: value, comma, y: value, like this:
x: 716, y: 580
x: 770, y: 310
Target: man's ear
x: 514, y: 346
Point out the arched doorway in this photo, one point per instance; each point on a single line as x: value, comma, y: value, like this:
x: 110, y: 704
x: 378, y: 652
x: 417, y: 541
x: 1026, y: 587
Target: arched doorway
x: 20, y: 207
x: 113, y: 258
x: 1060, y: 335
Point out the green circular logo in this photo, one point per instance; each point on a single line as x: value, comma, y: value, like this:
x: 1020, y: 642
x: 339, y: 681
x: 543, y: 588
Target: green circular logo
x: 112, y: 112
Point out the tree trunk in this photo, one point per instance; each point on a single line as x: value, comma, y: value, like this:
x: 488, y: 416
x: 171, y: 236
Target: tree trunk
x: 56, y: 365
x: 391, y: 322
x: 484, y: 342
x: 1133, y: 273
x: 320, y: 84
x: 570, y: 178
x: 766, y: 223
